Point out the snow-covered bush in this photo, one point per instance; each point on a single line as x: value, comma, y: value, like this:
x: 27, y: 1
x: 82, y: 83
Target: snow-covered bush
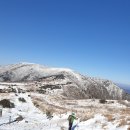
x: 6, y: 103
x: 20, y: 118
x: 103, y: 101
x: 22, y: 100
x: 49, y: 114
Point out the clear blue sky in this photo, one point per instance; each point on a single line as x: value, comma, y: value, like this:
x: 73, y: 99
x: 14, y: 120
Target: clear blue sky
x: 89, y: 36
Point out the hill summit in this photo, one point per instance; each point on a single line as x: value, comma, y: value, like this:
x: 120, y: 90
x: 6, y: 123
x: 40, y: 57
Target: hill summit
x: 61, y: 80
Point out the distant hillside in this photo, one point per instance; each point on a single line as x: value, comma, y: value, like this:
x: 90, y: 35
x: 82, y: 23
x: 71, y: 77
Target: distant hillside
x: 69, y: 82
x: 125, y: 87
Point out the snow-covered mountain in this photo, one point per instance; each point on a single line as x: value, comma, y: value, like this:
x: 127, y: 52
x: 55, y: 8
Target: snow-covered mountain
x: 66, y: 81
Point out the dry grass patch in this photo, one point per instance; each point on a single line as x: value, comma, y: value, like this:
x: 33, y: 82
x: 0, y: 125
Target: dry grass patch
x: 85, y: 116
x: 125, y: 111
x: 44, y: 106
x: 128, y: 128
x: 49, y: 113
x: 104, y: 126
x: 128, y: 123
x: 123, y: 102
x: 122, y: 122
x: 109, y: 117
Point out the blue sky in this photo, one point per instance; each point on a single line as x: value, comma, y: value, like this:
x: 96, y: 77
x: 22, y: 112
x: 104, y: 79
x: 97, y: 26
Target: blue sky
x: 89, y: 36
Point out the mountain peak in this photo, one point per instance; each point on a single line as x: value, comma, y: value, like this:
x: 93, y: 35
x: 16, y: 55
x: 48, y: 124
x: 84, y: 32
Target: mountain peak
x: 71, y: 83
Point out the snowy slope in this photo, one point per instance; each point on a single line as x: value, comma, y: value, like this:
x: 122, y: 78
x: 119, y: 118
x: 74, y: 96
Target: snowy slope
x: 72, y: 84
x: 34, y: 119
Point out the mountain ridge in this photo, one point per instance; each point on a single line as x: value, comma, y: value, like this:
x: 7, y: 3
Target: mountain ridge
x: 67, y: 81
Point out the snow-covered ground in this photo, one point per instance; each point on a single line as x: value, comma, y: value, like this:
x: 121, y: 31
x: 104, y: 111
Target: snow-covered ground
x: 35, y: 119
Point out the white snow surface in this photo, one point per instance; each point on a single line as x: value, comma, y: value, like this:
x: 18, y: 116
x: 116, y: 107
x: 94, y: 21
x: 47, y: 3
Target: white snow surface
x: 34, y: 119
